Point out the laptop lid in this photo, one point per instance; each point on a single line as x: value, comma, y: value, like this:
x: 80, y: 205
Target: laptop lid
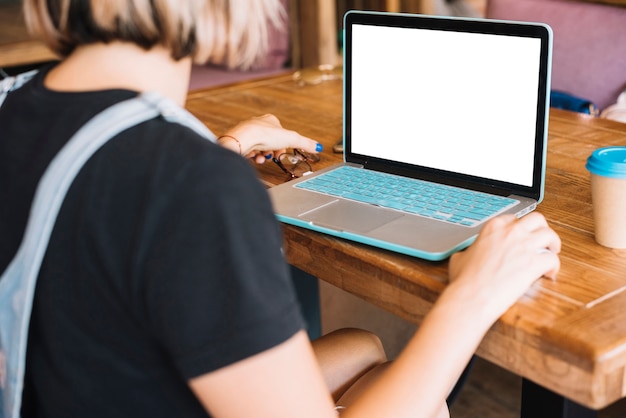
x: 454, y: 100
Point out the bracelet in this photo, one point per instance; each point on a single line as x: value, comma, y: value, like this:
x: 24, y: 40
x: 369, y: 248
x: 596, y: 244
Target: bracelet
x: 234, y: 139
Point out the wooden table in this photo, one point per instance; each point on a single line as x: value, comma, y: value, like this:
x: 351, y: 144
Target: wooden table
x: 568, y: 336
x: 16, y: 46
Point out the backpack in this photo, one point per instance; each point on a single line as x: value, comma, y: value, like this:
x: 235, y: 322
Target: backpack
x: 17, y: 283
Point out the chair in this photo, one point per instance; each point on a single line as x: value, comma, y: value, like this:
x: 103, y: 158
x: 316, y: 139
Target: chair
x: 589, y: 57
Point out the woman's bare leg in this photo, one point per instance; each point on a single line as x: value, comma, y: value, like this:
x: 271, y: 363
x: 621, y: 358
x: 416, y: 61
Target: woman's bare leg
x: 361, y: 385
x: 346, y: 355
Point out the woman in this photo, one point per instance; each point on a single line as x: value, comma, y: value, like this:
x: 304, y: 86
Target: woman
x: 164, y: 291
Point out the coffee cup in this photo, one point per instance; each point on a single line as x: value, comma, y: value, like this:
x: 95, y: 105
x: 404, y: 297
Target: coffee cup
x: 607, y: 167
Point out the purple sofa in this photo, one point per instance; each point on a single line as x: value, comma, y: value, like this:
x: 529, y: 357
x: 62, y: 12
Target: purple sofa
x: 589, y: 57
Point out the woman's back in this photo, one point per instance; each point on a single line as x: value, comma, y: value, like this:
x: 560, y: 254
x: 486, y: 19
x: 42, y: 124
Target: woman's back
x: 131, y: 300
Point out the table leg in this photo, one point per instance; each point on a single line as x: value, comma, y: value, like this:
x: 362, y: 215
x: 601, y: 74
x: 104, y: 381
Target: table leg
x: 538, y: 402
x: 308, y: 292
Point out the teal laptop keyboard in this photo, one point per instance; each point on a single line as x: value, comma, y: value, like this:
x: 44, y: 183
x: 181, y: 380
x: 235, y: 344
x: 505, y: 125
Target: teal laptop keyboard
x: 431, y: 200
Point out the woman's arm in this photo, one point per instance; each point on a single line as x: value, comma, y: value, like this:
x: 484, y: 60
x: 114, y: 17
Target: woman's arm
x: 262, y: 136
x: 282, y: 382
x: 485, y: 280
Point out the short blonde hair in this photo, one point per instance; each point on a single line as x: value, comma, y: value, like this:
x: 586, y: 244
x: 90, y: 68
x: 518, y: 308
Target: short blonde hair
x: 230, y: 32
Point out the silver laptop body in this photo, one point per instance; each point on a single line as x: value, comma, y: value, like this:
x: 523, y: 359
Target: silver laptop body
x: 453, y: 101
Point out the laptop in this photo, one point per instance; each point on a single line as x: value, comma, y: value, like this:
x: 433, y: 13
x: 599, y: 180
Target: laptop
x: 459, y: 104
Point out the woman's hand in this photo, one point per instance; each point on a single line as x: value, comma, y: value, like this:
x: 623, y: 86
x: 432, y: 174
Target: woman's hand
x: 509, y: 255
x: 261, y: 137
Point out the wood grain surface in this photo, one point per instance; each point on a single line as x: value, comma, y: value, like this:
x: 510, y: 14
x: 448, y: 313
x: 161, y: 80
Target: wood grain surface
x: 567, y: 335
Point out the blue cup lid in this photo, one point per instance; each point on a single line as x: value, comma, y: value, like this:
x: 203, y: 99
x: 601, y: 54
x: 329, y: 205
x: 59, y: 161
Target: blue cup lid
x: 608, y: 162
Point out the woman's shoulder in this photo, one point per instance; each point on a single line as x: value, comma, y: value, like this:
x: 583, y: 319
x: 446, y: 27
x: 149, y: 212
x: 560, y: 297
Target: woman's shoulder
x: 173, y: 154
x: 174, y: 143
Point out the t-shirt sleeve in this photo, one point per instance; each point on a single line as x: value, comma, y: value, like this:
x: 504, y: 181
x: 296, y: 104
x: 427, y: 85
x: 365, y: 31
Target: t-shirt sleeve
x: 217, y: 287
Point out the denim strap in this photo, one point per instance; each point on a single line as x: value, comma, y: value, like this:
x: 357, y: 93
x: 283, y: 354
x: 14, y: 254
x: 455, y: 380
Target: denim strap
x: 14, y: 82
x: 17, y: 284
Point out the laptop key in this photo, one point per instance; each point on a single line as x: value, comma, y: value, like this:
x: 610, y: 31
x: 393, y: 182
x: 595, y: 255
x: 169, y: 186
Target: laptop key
x: 441, y: 202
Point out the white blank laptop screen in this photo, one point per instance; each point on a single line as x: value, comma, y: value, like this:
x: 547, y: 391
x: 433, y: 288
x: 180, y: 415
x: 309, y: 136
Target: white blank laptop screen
x: 467, y: 101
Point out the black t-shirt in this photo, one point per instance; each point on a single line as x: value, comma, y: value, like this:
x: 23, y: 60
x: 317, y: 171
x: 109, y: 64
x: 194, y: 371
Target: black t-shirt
x: 164, y: 264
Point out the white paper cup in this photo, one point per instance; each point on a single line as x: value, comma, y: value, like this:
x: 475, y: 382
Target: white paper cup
x: 608, y: 194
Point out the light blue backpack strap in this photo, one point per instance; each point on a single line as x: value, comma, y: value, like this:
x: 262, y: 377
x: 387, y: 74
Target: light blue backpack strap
x: 17, y: 284
x: 174, y: 113
x: 14, y: 82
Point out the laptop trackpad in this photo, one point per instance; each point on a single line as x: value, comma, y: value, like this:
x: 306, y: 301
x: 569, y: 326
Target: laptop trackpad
x: 350, y: 216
